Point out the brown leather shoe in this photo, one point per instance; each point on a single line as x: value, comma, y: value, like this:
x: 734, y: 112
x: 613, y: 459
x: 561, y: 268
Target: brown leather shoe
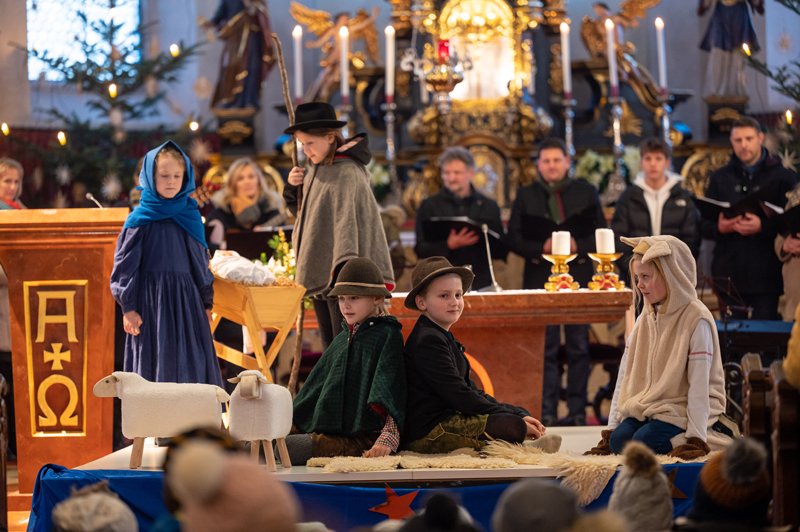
x: 693, y: 448
x: 603, y: 448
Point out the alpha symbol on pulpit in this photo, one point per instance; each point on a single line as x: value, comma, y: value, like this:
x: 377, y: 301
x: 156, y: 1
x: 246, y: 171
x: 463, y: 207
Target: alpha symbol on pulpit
x: 56, y: 356
x: 68, y: 317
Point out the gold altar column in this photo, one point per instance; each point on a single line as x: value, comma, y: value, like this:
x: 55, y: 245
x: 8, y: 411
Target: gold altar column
x: 58, y: 264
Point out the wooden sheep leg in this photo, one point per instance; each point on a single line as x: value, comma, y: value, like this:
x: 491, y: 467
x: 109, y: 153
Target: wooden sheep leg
x: 269, y: 455
x: 286, y: 462
x: 136, y: 453
x: 255, y: 447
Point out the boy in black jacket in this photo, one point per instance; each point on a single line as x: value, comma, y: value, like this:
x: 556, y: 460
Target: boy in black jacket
x: 445, y: 411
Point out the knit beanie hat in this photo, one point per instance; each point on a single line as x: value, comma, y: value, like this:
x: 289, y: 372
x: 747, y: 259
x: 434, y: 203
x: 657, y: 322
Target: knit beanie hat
x: 441, y: 514
x: 734, y: 486
x: 94, y: 508
x: 535, y: 504
x: 641, y: 491
x: 223, y: 491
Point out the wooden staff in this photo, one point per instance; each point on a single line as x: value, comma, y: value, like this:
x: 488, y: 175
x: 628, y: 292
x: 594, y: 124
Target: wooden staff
x: 287, y: 100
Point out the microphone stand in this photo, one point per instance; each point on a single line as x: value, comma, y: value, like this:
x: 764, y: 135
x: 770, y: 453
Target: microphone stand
x: 90, y: 197
x: 494, y: 287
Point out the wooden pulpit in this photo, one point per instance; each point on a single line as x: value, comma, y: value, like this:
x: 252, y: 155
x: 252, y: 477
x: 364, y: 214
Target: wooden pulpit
x: 58, y: 263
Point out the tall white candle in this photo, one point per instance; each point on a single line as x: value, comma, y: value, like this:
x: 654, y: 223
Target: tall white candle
x: 560, y: 243
x: 611, y: 47
x: 344, y: 63
x: 662, y: 54
x: 297, y: 36
x: 389, y: 33
x: 604, y: 240
x: 566, y: 66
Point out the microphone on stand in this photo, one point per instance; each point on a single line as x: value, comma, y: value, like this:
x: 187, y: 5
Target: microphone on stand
x: 494, y: 286
x: 91, y: 198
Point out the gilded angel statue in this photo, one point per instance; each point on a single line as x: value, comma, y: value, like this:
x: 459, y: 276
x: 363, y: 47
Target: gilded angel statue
x: 326, y: 27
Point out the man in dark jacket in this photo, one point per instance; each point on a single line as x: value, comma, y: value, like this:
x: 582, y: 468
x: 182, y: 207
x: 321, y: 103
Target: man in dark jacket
x: 458, y: 197
x: 656, y: 204
x: 558, y: 198
x: 744, y: 264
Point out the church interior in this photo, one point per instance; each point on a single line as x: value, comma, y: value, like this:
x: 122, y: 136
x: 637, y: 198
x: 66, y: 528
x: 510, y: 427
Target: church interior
x: 399, y: 265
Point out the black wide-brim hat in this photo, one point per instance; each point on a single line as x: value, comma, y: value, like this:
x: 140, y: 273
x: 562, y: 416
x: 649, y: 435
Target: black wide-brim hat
x: 360, y: 277
x: 314, y: 115
x: 429, y: 269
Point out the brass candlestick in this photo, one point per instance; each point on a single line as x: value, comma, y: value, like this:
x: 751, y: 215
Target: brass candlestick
x: 605, y: 278
x: 560, y: 279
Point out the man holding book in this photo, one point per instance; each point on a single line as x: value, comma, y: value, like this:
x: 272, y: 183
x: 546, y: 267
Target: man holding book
x: 744, y: 252
x: 449, y: 223
x: 558, y: 202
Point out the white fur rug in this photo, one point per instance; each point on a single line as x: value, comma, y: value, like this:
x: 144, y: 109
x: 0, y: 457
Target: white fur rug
x: 459, y: 459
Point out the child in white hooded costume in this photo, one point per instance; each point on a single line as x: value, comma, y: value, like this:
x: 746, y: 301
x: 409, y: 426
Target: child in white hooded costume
x: 670, y: 393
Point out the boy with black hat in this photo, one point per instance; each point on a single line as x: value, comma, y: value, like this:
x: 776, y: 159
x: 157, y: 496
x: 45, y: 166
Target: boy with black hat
x: 445, y: 410
x: 353, y: 402
x: 337, y: 216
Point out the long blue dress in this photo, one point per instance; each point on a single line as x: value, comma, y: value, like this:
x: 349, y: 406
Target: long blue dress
x: 162, y: 273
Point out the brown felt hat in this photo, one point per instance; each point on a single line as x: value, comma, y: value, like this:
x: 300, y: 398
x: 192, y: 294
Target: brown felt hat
x: 429, y: 269
x: 360, y: 277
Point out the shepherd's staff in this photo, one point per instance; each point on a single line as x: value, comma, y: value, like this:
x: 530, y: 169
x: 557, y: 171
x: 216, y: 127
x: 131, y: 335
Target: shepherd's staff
x: 287, y: 100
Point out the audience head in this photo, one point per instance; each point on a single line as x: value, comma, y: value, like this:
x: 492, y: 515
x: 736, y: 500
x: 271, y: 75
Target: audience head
x: 747, y: 140
x: 642, y: 493
x: 170, y: 172
x: 655, y: 156
x: 93, y: 508
x: 227, y: 491
x: 10, y: 179
x: 437, y: 290
x: 458, y: 168
x: 441, y: 514
x: 536, y: 504
x: 244, y: 179
x: 360, y: 290
x: 318, y: 131
x: 734, y: 486
x: 553, y: 163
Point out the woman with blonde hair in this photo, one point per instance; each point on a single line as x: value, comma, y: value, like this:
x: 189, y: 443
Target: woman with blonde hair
x: 246, y: 202
x: 10, y: 184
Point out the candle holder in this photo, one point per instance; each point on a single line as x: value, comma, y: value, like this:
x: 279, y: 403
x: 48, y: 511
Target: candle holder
x: 616, y: 183
x: 391, y: 155
x: 560, y: 279
x: 663, y: 113
x: 344, y: 115
x: 569, y: 116
x: 605, y: 278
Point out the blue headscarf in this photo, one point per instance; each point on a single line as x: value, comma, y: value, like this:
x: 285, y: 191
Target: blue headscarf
x: 181, y: 209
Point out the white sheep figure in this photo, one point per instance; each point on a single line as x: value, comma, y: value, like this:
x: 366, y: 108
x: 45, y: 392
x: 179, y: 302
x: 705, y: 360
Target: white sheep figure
x: 261, y: 412
x: 160, y: 409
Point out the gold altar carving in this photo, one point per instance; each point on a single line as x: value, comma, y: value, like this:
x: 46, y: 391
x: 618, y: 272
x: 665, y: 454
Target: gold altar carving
x: 699, y: 166
x: 56, y: 321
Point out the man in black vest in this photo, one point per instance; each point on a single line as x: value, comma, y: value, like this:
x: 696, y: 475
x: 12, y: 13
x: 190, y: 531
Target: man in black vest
x: 458, y: 197
x: 558, y: 197
x: 744, y: 251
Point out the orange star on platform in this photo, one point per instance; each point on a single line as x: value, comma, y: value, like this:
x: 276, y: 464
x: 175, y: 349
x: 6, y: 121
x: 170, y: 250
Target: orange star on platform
x: 396, y: 506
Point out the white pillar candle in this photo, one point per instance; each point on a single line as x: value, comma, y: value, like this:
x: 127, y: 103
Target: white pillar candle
x: 560, y: 243
x: 297, y: 36
x: 662, y: 55
x: 604, y: 240
x: 611, y: 47
x: 344, y: 63
x: 389, y: 33
x: 566, y: 66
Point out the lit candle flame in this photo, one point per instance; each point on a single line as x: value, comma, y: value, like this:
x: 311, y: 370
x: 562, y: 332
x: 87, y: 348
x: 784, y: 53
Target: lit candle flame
x: 788, y: 118
x: 746, y: 49
x: 659, y: 23
x: 174, y: 50
x: 112, y: 90
x: 62, y: 138
x: 193, y: 125
x: 297, y: 31
x: 5, y: 129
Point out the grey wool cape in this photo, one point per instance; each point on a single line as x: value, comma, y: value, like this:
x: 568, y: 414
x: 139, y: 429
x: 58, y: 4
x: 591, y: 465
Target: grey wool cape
x: 339, y: 220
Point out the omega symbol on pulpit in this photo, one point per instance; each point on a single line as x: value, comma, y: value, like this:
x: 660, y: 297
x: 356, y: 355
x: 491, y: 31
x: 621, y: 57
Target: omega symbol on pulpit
x: 56, y: 330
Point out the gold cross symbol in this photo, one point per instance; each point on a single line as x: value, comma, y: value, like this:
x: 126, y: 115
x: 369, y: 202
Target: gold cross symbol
x: 56, y: 356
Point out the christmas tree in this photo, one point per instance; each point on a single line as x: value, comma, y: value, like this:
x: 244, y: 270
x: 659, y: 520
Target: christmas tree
x: 121, y: 84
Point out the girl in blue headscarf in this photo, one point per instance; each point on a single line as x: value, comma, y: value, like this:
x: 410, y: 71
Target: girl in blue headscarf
x: 161, y: 277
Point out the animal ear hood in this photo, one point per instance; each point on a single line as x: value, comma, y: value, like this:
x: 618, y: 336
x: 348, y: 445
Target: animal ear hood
x: 649, y: 248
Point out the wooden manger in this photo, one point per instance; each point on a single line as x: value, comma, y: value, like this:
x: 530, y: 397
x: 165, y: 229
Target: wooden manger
x: 269, y: 308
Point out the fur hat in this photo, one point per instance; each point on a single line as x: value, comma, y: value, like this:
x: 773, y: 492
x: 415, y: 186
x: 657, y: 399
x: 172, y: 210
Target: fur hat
x: 223, y: 491
x: 734, y: 486
x: 429, y: 269
x: 360, y: 277
x: 641, y: 491
x: 535, y: 504
x: 94, y: 508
